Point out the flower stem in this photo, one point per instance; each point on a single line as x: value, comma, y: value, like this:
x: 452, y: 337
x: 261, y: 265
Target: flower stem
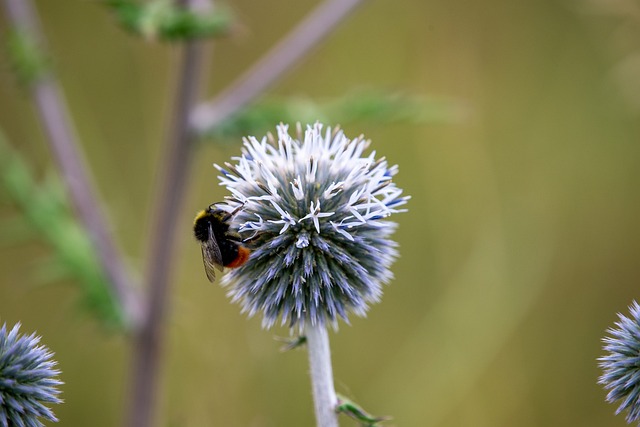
x: 149, y: 341
x: 273, y: 65
x: 60, y: 131
x: 324, y: 395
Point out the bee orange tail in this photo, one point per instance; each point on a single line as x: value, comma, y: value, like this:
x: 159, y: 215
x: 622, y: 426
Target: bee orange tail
x: 243, y: 256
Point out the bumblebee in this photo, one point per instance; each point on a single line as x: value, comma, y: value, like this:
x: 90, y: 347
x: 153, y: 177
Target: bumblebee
x: 220, y: 247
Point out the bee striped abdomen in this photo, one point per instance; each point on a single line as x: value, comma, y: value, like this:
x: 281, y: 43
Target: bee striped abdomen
x: 241, y: 257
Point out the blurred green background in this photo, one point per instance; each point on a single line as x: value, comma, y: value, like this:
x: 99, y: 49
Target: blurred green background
x: 521, y: 243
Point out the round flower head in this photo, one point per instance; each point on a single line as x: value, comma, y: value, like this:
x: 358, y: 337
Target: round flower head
x: 27, y: 380
x: 621, y: 364
x: 314, y: 213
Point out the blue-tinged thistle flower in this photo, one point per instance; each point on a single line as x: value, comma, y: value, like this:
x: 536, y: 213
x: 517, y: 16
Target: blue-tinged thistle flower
x: 314, y: 212
x: 27, y: 380
x: 621, y: 364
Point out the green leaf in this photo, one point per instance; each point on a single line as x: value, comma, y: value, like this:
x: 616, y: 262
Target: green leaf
x: 164, y: 20
x: 26, y: 57
x: 292, y: 343
x: 373, y: 106
x: 47, y: 212
x: 355, y: 411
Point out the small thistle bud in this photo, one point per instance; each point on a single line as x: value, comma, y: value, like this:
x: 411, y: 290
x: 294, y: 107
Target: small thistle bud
x: 27, y: 380
x: 315, y: 214
x: 621, y: 364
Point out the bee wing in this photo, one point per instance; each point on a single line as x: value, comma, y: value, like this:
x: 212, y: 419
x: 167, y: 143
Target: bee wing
x: 211, y: 256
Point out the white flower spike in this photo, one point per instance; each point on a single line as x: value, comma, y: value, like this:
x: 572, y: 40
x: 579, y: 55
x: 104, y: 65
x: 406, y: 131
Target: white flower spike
x: 321, y: 247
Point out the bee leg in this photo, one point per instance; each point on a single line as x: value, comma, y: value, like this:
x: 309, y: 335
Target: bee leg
x: 234, y: 237
x: 230, y: 215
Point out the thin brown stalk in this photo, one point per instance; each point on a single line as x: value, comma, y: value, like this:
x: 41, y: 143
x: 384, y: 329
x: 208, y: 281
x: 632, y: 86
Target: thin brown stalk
x: 273, y: 65
x: 60, y: 132
x: 148, y: 342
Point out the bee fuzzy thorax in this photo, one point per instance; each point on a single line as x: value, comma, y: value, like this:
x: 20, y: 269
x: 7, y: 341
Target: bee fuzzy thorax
x: 201, y: 226
x: 220, y: 247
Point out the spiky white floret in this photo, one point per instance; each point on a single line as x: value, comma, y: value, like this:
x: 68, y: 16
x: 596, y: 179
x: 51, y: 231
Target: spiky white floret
x: 315, y: 213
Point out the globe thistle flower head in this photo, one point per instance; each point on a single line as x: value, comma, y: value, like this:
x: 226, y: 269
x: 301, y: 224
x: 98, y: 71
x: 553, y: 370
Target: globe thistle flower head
x: 621, y: 364
x: 27, y: 380
x: 314, y: 212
